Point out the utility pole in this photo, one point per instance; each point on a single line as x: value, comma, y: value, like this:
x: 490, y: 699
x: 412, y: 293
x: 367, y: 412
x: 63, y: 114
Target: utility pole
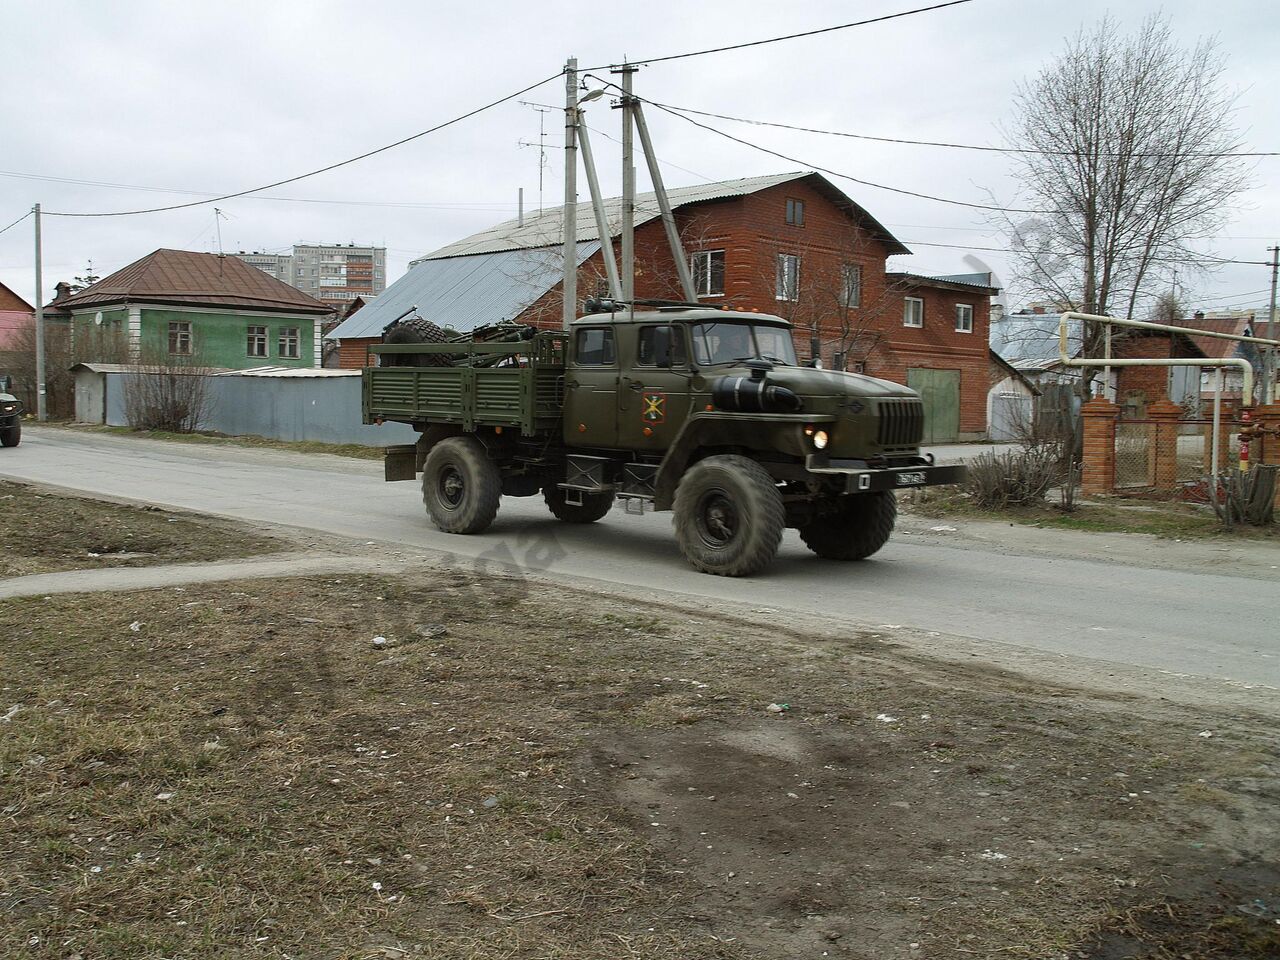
x: 597, y: 204
x: 628, y: 268
x: 664, y: 206
x: 42, y: 406
x: 569, y: 286
x: 1269, y: 358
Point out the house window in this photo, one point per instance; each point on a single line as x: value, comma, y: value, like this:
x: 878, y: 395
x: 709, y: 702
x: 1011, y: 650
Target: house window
x: 964, y: 318
x: 795, y: 212
x: 708, y: 273
x: 180, y: 338
x: 289, y: 343
x: 788, y: 286
x: 257, y: 343
x: 913, y: 312
x: 594, y: 347
x: 661, y: 347
x: 851, y: 275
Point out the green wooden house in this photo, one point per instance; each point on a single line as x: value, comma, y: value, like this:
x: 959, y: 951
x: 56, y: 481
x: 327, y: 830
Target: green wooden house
x: 201, y: 309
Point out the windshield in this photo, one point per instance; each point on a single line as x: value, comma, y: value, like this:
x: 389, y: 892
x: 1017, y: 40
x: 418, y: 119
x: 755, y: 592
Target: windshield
x: 715, y: 343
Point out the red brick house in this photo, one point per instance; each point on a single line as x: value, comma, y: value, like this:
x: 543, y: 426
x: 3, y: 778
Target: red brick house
x: 791, y: 244
x: 16, y: 315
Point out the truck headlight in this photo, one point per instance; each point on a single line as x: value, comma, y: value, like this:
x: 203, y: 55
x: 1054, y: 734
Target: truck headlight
x: 820, y: 439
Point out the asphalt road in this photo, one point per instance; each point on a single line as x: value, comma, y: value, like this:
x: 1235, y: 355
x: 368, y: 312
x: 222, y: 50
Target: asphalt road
x: 1118, y: 609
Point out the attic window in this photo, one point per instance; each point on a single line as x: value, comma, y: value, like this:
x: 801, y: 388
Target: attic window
x: 795, y: 212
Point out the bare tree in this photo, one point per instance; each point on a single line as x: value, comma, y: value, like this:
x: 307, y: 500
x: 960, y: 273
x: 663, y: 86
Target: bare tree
x: 834, y: 300
x: 1130, y: 166
x: 168, y: 390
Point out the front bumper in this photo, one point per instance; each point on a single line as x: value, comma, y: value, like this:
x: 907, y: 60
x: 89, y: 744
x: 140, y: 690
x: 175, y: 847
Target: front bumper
x: 858, y: 477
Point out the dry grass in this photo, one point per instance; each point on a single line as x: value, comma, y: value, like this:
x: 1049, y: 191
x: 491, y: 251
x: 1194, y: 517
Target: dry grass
x: 247, y: 774
x: 42, y: 532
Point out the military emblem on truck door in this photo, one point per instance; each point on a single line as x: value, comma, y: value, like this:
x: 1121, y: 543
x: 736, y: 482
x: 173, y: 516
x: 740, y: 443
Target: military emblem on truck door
x: 655, y: 407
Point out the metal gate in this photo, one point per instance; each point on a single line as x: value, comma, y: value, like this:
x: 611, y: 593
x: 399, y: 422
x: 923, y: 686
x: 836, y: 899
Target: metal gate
x: 1135, y: 453
x: 940, y: 392
x: 1011, y: 415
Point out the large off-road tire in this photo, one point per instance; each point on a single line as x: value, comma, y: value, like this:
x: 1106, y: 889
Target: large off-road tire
x: 461, y: 486
x: 857, y: 527
x: 416, y: 330
x: 593, y: 506
x: 728, y: 516
x: 11, y: 436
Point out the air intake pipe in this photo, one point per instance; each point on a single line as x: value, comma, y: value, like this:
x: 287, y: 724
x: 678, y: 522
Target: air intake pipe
x: 753, y: 394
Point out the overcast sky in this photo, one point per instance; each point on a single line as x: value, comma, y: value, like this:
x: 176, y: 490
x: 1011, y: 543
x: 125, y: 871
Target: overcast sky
x: 218, y: 97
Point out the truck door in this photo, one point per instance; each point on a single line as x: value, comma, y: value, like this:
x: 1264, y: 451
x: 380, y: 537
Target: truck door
x: 591, y: 389
x: 653, y: 393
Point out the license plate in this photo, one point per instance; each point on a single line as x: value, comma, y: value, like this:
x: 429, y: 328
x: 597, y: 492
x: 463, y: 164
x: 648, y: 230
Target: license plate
x: 911, y: 479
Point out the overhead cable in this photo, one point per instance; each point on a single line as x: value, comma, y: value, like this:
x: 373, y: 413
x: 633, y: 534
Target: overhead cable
x: 312, y: 173
x: 956, y: 146
x: 18, y: 221
x: 789, y: 36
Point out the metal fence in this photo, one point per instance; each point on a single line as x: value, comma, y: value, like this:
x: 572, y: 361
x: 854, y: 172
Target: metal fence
x: 1135, y: 453
x: 1195, y: 448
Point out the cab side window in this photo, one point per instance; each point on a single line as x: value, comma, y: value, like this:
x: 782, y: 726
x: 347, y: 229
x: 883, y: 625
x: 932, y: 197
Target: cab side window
x: 661, y: 347
x: 594, y: 347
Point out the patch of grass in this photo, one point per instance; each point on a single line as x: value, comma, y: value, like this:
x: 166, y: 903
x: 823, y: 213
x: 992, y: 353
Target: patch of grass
x: 44, y: 531
x: 358, y: 451
x: 1173, y: 521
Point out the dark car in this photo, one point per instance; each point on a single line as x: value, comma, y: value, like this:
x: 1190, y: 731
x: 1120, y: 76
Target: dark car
x: 10, y: 419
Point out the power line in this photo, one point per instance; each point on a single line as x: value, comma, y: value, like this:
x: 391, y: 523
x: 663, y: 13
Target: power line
x: 834, y: 173
x: 326, y: 169
x: 18, y: 221
x: 790, y: 36
x: 956, y: 146
x: 1192, y: 258
x: 459, y: 205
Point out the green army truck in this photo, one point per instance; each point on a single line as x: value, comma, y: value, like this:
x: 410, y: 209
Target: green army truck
x: 702, y: 412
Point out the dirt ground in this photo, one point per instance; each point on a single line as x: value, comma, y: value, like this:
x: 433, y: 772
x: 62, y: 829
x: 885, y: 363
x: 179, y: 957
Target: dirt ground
x: 41, y: 531
x: 440, y: 766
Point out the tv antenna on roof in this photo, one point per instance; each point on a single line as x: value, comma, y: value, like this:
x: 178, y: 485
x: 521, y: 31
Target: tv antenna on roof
x: 541, y: 143
x: 218, y: 217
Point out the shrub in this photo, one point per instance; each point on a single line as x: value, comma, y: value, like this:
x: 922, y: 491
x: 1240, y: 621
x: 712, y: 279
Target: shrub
x: 1016, y: 478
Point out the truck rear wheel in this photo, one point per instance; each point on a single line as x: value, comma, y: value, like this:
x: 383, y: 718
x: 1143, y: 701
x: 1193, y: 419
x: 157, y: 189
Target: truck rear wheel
x: 593, y: 506
x: 857, y: 527
x: 11, y: 436
x: 461, y: 486
x: 729, y: 516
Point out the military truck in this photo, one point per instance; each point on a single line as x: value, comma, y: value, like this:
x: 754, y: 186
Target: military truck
x: 10, y: 414
x: 703, y: 412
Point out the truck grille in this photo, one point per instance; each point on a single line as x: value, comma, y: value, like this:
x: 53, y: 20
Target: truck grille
x: 901, y: 423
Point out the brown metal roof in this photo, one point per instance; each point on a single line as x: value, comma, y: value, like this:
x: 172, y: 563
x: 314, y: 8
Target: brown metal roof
x: 202, y: 279
x: 1212, y: 346
x: 11, y: 301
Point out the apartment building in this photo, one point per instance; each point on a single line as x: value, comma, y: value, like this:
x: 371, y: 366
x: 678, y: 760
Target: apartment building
x: 333, y: 272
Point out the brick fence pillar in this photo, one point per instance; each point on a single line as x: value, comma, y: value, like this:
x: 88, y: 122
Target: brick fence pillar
x: 1099, y: 467
x: 1266, y: 449
x: 1164, y: 415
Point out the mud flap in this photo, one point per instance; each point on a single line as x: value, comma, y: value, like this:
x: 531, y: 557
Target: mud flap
x: 400, y: 462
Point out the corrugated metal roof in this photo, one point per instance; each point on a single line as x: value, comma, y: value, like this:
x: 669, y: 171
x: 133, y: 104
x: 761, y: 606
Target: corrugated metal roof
x: 547, y: 228
x: 1021, y: 337
x: 290, y: 373
x: 464, y: 292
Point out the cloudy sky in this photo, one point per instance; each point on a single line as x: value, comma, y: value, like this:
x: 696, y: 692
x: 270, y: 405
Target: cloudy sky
x: 187, y: 99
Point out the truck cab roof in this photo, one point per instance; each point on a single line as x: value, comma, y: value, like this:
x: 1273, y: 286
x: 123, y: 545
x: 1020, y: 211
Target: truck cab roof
x: 681, y: 314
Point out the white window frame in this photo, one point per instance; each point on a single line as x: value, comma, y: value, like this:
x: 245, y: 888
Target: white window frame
x: 851, y: 293
x: 907, y: 312
x: 290, y: 337
x: 787, y: 286
x: 706, y: 257
x: 961, y: 309
x: 182, y: 330
x: 257, y: 335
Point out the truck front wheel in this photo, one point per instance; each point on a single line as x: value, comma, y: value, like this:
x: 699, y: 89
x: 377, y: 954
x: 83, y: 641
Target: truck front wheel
x: 729, y: 516
x: 854, y: 529
x: 11, y: 436
x: 593, y: 506
x: 461, y: 486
